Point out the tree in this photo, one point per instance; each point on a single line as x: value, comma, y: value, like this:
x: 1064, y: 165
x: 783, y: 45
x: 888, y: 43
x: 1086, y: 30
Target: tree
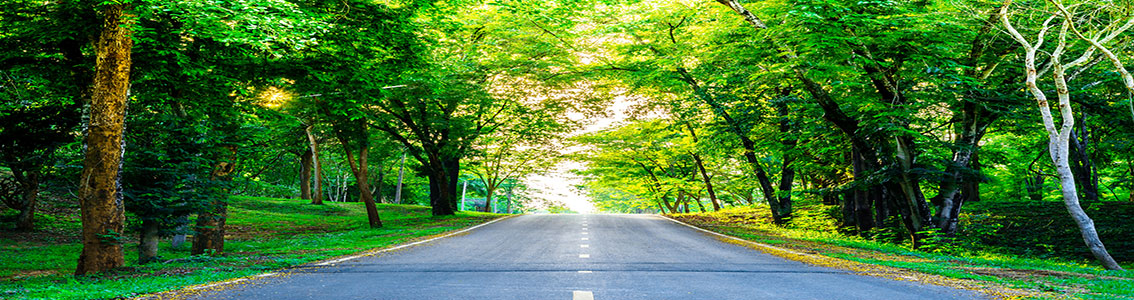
x: 508, y: 155
x: 1059, y: 138
x: 99, y: 199
x: 354, y: 135
x: 41, y: 94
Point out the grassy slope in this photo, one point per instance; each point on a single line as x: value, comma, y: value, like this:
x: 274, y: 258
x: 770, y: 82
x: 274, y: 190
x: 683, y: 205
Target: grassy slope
x: 263, y: 234
x: 988, y: 270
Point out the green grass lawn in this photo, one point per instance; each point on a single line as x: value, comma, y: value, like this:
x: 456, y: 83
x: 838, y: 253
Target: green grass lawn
x: 1001, y: 274
x: 264, y: 234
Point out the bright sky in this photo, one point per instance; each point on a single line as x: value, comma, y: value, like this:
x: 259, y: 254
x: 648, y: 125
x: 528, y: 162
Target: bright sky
x: 558, y: 184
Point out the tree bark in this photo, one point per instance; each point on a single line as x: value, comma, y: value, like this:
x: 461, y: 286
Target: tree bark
x: 360, y: 169
x: 488, y: 198
x: 148, y: 245
x: 209, y: 230
x: 313, y: 146
x: 787, y: 171
x: 305, y: 168
x: 378, y: 186
x: 863, y: 198
x: 708, y: 182
x: 100, y: 201
x: 704, y: 173
x: 508, y: 199
x: 453, y: 173
x: 179, y: 238
x: 1059, y: 139
x: 29, y: 183
x: 1086, y: 175
x: 401, y: 175
x: 443, y: 173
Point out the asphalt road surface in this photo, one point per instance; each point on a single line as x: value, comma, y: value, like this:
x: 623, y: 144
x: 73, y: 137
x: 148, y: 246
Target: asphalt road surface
x: 579, y: 257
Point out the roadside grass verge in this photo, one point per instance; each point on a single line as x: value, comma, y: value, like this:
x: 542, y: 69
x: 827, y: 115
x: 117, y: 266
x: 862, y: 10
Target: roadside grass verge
x: 263, y: 234
x: 996, y: 274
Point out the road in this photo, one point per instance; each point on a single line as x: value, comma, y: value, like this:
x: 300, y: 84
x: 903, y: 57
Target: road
x: 579, y: 257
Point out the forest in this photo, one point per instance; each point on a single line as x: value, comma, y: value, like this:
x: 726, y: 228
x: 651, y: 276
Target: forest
x: 924, y: 124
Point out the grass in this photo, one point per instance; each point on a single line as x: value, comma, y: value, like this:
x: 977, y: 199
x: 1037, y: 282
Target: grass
x: 264, y: 234
x: 995, y: 273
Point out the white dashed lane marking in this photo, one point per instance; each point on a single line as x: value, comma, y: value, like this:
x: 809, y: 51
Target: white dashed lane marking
x: 582, y: 295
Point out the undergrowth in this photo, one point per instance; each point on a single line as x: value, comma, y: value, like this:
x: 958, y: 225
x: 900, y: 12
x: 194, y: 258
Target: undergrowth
x: 264, y: 234
x: 980, y: 253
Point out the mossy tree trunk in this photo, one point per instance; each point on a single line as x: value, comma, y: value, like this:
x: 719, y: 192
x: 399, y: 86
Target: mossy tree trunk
x: 209, y: 237
x: 102, y: 211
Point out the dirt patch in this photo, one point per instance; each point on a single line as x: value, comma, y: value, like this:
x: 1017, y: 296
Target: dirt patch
x: 1028, y: 273
x: 20, y: 275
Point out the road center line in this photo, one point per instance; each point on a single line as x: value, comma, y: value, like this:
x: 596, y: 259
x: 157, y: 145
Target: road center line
x: 582, y: 295
x: 585, y: 239
x: 584, y: 246
x: 584, y: 232
x: 584, y: 272
x: 584, y: 256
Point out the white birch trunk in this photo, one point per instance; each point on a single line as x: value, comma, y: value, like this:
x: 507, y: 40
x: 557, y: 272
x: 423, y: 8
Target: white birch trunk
x: 1058, y: 139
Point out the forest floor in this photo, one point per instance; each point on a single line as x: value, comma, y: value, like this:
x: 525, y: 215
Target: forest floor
x: 263, y: 234
x: 964, y: 263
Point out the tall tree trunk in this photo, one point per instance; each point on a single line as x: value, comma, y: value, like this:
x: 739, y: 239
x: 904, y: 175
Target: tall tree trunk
x: 378, y: 186
x: 179, y: 238
x: 958, y: 175
x: 401, y: 175
x: 148, y: 241
x: 1059, y: 139
x: 100, y: 202
x: 29, y: 183
x: 453, y: 173
x: 508, y: 199
x: 708, y: 182
x: 787, y: 171
x: 704, y: 173
x: 313, y: 146
x: 735, y: 127
x: 863, y: 197
x: 361, y: 173
x: 1086, y: 175
x: 960, y: 183
x: 305, y: 174
x: 488, y: 198
x: 906, y: 189
x: 442, y: 185
x: 209, y: 236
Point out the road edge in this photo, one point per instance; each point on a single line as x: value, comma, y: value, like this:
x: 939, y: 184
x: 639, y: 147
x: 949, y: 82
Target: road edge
x: 1000, y: 292
x: 172, y: 294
